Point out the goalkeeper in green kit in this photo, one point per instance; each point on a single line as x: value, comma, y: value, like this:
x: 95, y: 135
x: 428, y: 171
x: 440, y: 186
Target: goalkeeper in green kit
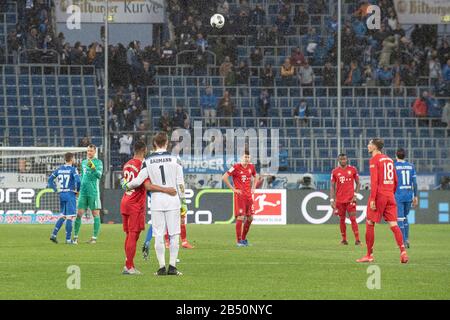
x: 89, y: 196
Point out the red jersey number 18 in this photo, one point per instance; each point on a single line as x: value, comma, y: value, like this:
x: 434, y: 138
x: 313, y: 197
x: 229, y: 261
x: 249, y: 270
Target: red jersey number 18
x: 388, y: 171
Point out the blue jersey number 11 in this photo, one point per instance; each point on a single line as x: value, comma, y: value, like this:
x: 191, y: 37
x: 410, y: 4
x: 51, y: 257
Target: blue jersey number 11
x: 406, y: 177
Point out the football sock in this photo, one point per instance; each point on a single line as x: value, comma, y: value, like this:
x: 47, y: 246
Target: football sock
x: 96, y: 226
x: 238, y: 230
x: 398, y: 237
x: 160, y: 249
x: 77, y: 226
x: 174, y: 248
x: 148, y: 238
x: 406, y: 225
x: 58, y: 226
x: 183, y: 232
x: 355, y: 227
x: 370, y: 238
x: 130, y: 248
x: 401, y: 225
x: 68, y: 229
x: 343, y: 228
x: 247, y: 225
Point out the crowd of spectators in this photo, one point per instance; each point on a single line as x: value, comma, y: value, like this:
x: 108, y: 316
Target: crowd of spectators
x: 389, y: 57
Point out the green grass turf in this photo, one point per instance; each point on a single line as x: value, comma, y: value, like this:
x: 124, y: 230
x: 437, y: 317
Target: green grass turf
x: 284, y: 262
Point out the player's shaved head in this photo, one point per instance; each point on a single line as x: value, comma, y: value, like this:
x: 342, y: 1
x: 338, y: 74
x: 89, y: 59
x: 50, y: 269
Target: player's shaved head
x: 401, y: 153
x: 342, y: 159
x: 160, y: 140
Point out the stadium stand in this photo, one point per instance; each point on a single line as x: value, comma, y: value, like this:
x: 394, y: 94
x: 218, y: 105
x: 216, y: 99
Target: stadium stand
x: 49, y: 104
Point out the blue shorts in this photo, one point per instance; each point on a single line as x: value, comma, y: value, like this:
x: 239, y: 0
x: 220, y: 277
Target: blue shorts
x: 68, y: 206
x: 403, y: 209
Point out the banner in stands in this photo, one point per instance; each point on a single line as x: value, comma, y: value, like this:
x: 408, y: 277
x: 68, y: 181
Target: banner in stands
x: 28, y: 205
x: 18, y: 180
x: 120, y: 11
x: 209, y: 206
x: 423, y: 11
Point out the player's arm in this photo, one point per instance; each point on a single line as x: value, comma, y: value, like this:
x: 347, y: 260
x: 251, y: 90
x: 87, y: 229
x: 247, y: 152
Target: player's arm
x: 136, y: 182
x: 226, y: 180
x: 180, y: 187
x: 51, y: 181
x: 373, y: 185
x: 255, y: 179
x: 149, y: 186
x: 357, y: 185
x: 77, y: 180
x: 415, y: 188
x: 333, y: 191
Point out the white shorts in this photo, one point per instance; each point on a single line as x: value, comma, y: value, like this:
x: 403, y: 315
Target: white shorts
x: 166, y: 220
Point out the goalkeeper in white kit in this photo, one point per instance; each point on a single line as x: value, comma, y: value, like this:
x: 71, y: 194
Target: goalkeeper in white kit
x: 164, y: 170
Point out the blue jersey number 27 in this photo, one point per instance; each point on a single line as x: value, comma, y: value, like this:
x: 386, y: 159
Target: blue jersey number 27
x: 64, y: 180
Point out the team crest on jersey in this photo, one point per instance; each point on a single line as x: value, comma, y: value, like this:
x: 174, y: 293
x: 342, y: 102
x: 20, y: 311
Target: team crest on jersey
x: 349, y: 172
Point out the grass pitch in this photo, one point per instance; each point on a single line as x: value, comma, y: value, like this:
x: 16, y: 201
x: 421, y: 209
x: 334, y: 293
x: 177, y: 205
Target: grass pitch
x: 284, y: 262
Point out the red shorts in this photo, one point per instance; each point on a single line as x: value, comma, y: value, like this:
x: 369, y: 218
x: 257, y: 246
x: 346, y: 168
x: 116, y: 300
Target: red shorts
x: 342, y: 208
x: 386, y: 208
x: 243, y: 206
x: 133, y: 220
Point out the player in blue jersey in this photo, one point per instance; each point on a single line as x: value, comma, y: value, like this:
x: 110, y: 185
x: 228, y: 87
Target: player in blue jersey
x: 406, y: 193
x: 67, y: 185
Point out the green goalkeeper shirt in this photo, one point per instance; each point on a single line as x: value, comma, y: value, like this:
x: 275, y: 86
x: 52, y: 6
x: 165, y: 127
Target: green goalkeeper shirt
x: 90, y: 179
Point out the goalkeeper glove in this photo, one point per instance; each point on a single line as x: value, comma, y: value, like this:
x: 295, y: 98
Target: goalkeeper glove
x: 124, y: 184
x: 91, y: 164
x: 183, y: 209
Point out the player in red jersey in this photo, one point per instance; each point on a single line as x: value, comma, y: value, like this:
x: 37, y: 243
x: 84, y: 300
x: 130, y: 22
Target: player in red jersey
x: 343, y: 196
x: 383, y: 183
x: 132, y: 207
x: 242, y: 174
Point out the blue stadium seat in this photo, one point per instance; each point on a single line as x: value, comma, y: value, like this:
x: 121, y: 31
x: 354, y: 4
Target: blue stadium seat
x: 24, y: 81
x: 36, y: 80
x: 77, y: 91
x: 38, y: 101
x: 90, y: 91
x: 50, y: 80
x: 14, y: 131
x: 79, y: 112
x: 10, y: 80
x: 64, y: 91
x: 81, y: 131
x: 24, y: 91
x: 40, y: 121
x: 68, y: 131
x: 63, y: 80
x: 91, y: 101
x: 11, y: 90
x: 27, y: 121
x: 27, y: 132
x: 38, y: 91
x: 80, y: 122
x: 89, y: 80
x: 55, y: 132
x: 78, y: 102
x: 42, y: 131
x: 54, y: 121
x: 75, y: 80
